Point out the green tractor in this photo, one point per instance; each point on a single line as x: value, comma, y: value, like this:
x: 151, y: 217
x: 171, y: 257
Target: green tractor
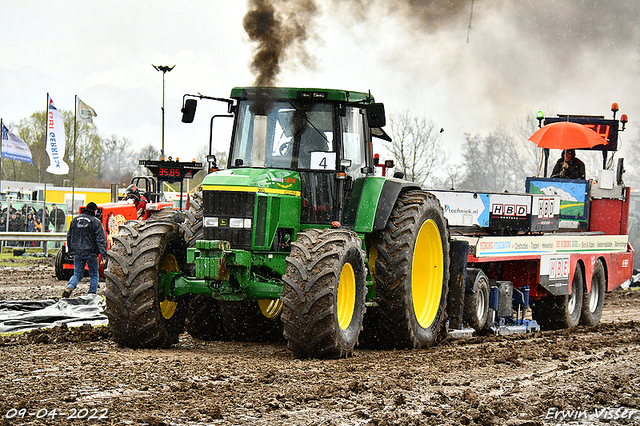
x: 295, y: 239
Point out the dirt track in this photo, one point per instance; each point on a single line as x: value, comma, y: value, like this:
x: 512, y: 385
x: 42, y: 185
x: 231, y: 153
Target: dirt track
x: 516, y: 380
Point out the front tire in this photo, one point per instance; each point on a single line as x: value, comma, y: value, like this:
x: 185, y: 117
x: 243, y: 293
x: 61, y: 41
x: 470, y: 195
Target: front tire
x: 593, y: 302
x: 412, y: 272
x: 324, y: 293
x: 140, y: 314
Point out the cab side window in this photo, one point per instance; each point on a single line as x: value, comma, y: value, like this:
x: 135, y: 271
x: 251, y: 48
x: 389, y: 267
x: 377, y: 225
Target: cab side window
x: 353, y: 140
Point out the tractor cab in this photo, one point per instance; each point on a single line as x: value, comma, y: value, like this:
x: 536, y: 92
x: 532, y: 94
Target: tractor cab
x: 315, y: 142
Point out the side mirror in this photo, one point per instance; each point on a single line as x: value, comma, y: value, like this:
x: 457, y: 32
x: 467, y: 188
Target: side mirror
x: 189, y: 110
x: 376, y: 116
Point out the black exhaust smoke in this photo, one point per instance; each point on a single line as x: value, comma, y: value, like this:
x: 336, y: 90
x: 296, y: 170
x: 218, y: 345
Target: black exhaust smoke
x: 279, y: 28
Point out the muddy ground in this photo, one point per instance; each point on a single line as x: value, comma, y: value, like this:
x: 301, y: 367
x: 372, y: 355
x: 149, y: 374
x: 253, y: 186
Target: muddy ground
x: 80, y: 376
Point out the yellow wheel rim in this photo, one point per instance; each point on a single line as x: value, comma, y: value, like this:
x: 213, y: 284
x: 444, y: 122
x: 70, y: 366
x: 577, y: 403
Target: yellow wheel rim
x: 168, y: 307
x: 427, y: 273
x: 270, y: 308
x: 346, y: 296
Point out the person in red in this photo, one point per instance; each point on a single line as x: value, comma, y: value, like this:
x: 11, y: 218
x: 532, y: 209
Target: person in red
x: 138, y: 199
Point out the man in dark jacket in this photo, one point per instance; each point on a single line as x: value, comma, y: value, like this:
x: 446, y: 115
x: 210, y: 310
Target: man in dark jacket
x: 85, y: 241
x: 569, y: 166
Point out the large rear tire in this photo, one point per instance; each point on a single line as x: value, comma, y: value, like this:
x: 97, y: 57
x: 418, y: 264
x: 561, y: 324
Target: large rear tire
x: 412, y: 272
x: 140, y: 314
x: 557, y: 312
x: 593, y: 302
x: 324, y: 293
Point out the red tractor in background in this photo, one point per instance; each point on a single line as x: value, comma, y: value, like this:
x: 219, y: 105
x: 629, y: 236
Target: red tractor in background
x: 145, y: 188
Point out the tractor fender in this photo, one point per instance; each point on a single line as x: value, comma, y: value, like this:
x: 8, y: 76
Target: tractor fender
x: 372, y: 200
x: 387, y: 200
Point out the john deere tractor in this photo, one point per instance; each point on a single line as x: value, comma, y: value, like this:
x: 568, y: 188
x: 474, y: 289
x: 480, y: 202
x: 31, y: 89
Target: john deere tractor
x: 295, y: 239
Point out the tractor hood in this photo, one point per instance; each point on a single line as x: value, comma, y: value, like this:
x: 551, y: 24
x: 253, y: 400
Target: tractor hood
x: 273, y: 181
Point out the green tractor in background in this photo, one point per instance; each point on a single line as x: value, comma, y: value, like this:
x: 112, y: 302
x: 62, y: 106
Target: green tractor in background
x: 297, y: 238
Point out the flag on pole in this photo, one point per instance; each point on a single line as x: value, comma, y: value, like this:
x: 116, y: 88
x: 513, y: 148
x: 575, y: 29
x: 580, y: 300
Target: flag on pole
x: 84, y: 112
x: 55, y: 140
x: 14, y: 148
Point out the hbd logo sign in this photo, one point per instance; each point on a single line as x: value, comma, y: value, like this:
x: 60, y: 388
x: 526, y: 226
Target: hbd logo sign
x: 508, y: 210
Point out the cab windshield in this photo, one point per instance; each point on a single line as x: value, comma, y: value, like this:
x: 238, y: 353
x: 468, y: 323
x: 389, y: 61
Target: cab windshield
x: 284, y: 135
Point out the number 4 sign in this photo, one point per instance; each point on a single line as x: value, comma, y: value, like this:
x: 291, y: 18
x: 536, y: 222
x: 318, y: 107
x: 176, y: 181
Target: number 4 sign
x: 321, y: 160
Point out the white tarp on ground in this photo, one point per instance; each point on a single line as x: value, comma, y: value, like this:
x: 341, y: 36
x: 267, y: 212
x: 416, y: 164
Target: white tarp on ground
x: 23, y: 315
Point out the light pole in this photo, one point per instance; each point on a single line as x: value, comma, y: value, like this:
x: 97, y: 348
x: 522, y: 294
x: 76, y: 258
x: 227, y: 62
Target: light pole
x: 165, y: 69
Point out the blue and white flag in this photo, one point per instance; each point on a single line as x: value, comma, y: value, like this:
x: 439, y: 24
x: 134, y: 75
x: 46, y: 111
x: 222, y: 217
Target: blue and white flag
x: 14, y: 148
x: 55, y: 140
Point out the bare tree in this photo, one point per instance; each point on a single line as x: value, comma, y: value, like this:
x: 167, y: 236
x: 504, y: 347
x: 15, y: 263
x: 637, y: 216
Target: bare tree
x: 632, y: 165
x: 504, y: 159
x: 492, y: 163
x: 530, y: 156
x: 416, y: 146
x: 118, y: 161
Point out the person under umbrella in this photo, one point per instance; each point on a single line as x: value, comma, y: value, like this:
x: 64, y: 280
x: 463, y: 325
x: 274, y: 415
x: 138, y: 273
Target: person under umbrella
x: 569, y: 166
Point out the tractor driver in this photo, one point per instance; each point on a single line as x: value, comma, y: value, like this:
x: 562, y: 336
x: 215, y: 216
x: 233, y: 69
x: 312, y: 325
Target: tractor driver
x: 311, y: 138
x: 569, y: 166
x: 134, y: 196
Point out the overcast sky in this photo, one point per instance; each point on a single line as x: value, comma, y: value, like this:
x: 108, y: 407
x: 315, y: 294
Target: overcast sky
x: 569, y: 56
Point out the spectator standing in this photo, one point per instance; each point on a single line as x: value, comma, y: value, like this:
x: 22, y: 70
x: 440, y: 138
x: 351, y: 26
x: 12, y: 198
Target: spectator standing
x: 15, y: 225
x: 10, y: 209
x: 43, y: 215
x: 85, y: 241
x: 57, y: 218
x: 31, y: 226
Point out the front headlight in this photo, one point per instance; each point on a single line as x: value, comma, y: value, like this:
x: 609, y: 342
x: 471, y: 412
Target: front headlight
x: 210, y: 222
x: 236, y: 222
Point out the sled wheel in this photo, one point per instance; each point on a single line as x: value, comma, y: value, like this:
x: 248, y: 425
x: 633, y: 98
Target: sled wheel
x: 476, y: 304
x: 556, y: 312
x: 412, y: 272
x: 246, y: 322
x: 593, y: 301
x: 140, y: 314
x: 62, y: 258
x: 324, y: 293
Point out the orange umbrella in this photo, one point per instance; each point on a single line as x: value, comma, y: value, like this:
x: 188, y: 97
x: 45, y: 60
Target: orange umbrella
x: 566, y: 135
